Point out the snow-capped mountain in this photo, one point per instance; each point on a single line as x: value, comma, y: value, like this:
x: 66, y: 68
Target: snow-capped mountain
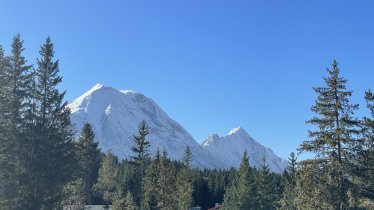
x: 115, y: 116
x: 229, y: 150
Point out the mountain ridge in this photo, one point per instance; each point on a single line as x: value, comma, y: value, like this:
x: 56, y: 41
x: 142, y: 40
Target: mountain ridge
x: 115, y: 114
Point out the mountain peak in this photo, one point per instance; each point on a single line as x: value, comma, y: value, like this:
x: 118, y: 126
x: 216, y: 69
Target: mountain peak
x: 210, y: 139
x: 233, y: 146
x: 99, y: 86
x: 237, y: 131
x: 115, y: 114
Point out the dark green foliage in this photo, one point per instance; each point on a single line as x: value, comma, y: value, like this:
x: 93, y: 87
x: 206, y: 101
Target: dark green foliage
x: 89, y: 161
x: 36, y: 150
x: 141, y: 155
x: 184, y: 182
x: 52, y: 150
x: 141, y: 145
x: 166, y: 184
x: 288, y: 197
x: 266, y: 190
x: 151, y: 183
x: 15, y: 91
x: 128, y: 179
x: 209, y: 186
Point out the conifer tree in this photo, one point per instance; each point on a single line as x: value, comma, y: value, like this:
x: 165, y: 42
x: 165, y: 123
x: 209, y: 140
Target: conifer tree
x: 5, y: 166
x: 242, y: 194
x: 266, y: 189
x: 287, y: 200
x: 166, y: 184
x: 89, y: 160
x: 16, y: 79
x: 129, y: 202
x: 118, y: 201
x: 364, y: 157
x: 124, y: 202
x: 184, y: 182
x: 141, y: 154
x: 52, y: 150
x: 335, y: 134
x: 311, y: 190
x: 106, y: 184
x: 151, y: 183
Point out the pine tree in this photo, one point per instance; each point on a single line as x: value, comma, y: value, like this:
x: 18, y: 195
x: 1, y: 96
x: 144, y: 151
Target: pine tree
x: 184, y: 182
x: 242, y: 194
x: 89, y: 160
x: 15, y: 82
x: 166, y: 199
x: 334, y: 137
x: 266, y: 189
x: 141, y: 154
x: 51, y: 152
x: 129, y: 202
x: 118, y: 201
x: 106, y: 184
x: 287, y: 200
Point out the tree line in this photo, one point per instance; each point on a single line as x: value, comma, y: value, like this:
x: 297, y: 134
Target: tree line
x: 42, y: 166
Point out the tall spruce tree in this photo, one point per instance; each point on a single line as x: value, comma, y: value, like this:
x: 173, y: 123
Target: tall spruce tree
x: 287, y: 200
x: 141, y: 154
x: 89, y: 160
x: 266, y: 189
x: 184, y: 182
x: 166, y: 184
x: 15, y: 86
x: 52, y: 150
x: 335, y: 134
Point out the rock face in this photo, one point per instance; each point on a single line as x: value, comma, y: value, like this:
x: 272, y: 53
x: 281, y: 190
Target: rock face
x: 116, y: 114
x: 229, y: 149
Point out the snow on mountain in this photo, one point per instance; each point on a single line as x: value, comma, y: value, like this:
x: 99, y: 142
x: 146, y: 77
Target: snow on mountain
x: 229, y: 150
x: 115, y: 116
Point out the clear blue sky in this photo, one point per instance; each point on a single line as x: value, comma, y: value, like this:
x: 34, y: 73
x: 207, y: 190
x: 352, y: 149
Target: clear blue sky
x: 212, y: 65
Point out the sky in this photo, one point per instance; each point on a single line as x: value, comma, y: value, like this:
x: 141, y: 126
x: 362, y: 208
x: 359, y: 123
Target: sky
x: 212, y: 65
